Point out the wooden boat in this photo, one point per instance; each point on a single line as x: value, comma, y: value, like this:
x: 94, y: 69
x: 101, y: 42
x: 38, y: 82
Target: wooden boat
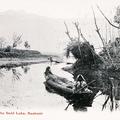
x: 65, y: 88
x: 68, y: 69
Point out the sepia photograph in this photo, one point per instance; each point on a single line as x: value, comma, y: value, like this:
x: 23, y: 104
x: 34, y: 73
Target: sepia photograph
x: 59, y: 59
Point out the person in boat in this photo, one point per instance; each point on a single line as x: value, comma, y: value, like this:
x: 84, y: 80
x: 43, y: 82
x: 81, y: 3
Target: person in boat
x: 49, y: 75
x: 81, y: 85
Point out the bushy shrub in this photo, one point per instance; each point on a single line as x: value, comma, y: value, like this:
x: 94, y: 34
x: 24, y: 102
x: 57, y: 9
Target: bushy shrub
x: 8, y: 49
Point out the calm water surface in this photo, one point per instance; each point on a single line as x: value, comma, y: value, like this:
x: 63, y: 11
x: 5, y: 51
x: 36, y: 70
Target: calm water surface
x: 23, y: 88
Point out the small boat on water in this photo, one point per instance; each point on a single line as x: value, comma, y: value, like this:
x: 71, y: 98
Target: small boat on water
x: 65, y: 88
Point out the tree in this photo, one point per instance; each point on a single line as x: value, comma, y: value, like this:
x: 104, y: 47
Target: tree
x: 26, y: 44
x: 8, y: 48
x: 118, y: 27
x: 16, y: 40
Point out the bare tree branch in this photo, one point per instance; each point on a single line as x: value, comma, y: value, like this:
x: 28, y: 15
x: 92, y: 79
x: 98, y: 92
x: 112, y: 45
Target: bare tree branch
x: 107, y: 18
x: 79, y: 42
x: 78, y: 31
x: 67, y: 32
x: 97, y: 29
x: 17, y: 40
x: 82, y: 36
x: 106, y: 33
x: 103, y: 41
x: 92, y: 50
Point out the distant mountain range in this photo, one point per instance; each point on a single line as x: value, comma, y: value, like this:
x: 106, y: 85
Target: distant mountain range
x: 44, y: 34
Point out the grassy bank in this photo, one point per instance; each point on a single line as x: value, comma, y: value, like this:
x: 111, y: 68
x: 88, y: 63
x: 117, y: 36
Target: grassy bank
x: 14, y: 62
x: 18, y: 53
x: 18, y: 57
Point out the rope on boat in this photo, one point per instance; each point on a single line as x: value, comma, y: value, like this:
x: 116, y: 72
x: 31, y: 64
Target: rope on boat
x: 84, y: 86
x: 77, y: 92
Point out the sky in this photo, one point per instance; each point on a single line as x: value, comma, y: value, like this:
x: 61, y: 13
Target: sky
x: 58, y: 8
x: 65, y: 10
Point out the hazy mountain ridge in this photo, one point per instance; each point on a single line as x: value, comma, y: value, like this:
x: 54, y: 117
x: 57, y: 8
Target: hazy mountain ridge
x: 45, y: 34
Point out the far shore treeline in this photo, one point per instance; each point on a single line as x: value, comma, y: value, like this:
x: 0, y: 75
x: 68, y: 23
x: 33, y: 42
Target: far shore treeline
x: 20, y: 53
x: 12, y: 50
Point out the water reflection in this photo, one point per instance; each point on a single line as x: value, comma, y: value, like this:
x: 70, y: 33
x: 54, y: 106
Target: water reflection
x: 79, y: 103
x: 22, y: 88
x: 79, y: 108
x: 1, y: 73
x: 8, y: 85
x: 25, y: 69
x: 16, y: 74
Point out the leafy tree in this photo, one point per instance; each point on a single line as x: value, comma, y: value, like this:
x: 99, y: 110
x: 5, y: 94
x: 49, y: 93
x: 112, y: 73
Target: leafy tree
x: 26, y: 44
x: 8, y: 48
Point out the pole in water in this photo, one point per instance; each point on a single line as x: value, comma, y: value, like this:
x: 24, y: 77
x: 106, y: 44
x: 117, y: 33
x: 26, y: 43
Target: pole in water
x: 68, y: 106
x: 50, y: 59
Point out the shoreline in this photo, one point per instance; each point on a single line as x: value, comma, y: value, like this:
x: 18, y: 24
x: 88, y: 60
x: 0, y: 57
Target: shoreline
x: 11, y: 63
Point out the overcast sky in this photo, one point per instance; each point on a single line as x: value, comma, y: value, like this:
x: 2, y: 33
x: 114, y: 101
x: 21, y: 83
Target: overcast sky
x: 58, y: 8
x: 64, y: 9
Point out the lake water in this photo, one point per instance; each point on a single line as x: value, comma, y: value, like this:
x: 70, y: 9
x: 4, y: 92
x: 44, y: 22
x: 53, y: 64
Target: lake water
x: 22, y: 88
